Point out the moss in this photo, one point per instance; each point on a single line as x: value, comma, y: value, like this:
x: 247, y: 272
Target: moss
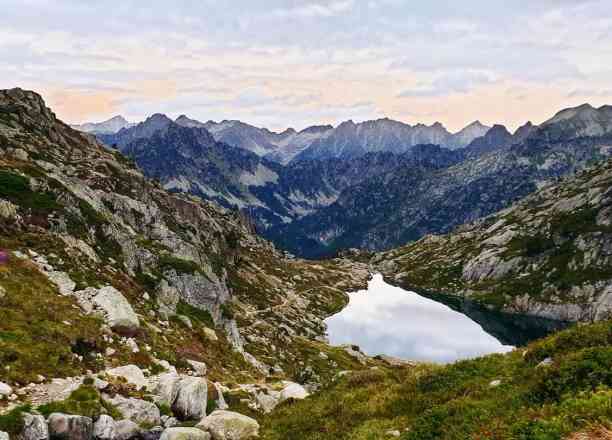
x: 12, y: 421
x: 16, y: 188
x: 195, y: 314
x: 84, y: 401
x: 179, y: 265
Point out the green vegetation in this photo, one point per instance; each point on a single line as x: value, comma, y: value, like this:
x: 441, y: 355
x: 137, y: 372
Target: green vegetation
x: 36, y: 336
x: 195, y: 314
x: 180, y: 265
x: 85, y: 401
x: 17, y: 189
x: 458, y: 401
x: 12, y: 421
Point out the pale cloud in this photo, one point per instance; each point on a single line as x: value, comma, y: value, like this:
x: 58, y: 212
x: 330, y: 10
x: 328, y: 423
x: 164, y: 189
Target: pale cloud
x: 285, y: 63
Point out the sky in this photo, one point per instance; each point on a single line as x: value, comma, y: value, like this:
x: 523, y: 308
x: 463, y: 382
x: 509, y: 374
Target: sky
x: 294, y: 63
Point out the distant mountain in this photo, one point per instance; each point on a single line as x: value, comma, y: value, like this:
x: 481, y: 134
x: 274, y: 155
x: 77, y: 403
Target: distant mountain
x: 326, y: 142
x: 350, y: 140
x: 110, y: 126
x: 336, y: 193
x: 467, y: 134
x: 407, y: 203
x: 143, y: 130
x: 496, y: 138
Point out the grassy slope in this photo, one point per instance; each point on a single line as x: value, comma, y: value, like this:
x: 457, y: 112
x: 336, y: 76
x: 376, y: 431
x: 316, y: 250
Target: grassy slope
x: 457, y: 401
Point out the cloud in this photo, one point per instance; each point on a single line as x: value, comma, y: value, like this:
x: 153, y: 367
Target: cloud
x: 313, y: 10
x: 453, y: 82
x: 293, y: 62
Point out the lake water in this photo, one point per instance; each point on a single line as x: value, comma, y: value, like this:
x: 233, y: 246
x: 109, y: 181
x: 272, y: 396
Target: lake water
x: 388, y: 320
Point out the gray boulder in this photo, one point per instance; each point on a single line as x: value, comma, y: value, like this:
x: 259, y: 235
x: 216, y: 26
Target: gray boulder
x: 34, y: 427
x: 118, y: 312
x: 229, y: 425
x: 131, y: 373
x: 184, y: 434
x: 191, y: 398
x: 126, y: 430
x: 166, y: 388
x: 70, y: 427
x: 104, y: 428
x: 137, y: 410
x: 4, y: 435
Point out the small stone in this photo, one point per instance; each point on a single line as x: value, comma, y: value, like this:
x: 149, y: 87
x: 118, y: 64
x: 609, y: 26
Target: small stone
x: 210, y: 334
x: 185, y: 320
x: 545, y: 363
x: 185, y: 434
x: 495, y: 383
x: 393, y: 433
x: 293, y: 391
x: 4, y: 435
x: 171, y: 422
x: 126, y: 430
x: 5, y: 389
x: 110, y: 351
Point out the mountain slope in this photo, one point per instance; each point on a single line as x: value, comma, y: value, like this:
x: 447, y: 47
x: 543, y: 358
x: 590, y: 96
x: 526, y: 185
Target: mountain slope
x: 135, y: 271
x: 551, y: 389
x: 548, y: 255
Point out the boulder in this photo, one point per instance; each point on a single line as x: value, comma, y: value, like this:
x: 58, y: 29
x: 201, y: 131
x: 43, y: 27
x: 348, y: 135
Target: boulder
x: 126, y: 430
x: 184, y: 434
x: 70, y: 427
x: 4, y: 435
x: 118, y: 311
x: 229, y: 425
x: 104, y: 428
x: 198, y: 367
x: 131, y: 373
x: 5, y: 389
x: 137, y: 410
x: 191, y: 398
x: 293, y: 390
x: 166, y: 388
x: 34, y: 427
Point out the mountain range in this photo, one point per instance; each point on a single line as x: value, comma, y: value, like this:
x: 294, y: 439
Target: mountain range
x: 347, y: 140
x: 373, y: 185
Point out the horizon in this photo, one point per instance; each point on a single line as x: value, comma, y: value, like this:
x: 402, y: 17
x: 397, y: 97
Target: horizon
x: 278, y: 131
x: 317, y: 63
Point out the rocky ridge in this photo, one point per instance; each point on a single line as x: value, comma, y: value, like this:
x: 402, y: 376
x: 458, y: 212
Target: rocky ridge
x: 548, y: 255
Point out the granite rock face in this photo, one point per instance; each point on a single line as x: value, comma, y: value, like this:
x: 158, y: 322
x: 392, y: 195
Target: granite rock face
x: 548, y: 255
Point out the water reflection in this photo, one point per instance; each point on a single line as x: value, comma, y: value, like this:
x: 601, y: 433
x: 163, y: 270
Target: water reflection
x: 389, y: 320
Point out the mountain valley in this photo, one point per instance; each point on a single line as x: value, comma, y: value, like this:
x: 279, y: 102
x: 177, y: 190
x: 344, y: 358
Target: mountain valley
x: 136, y: 299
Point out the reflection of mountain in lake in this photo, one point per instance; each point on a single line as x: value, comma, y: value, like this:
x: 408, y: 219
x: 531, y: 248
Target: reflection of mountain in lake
x: 508, y: 328
x: 389, y: 320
